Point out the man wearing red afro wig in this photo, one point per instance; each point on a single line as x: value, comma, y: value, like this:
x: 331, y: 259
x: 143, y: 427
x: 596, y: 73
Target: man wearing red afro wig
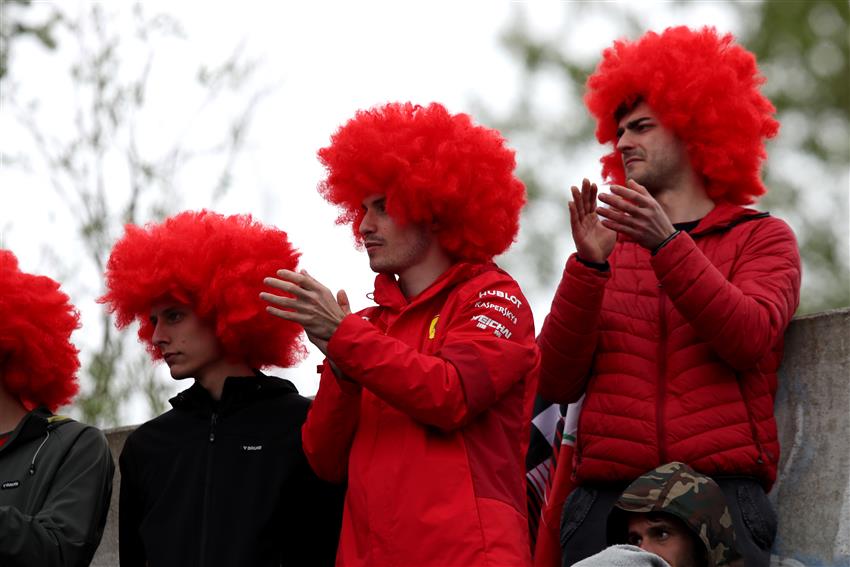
x: 670, y: 316
x: 425, y: 400
x: 221, y: 478
x: 55, y: 473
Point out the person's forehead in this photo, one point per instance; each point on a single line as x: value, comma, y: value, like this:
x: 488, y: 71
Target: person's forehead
x: 640, y: 111
x: 652, y: 520
x: 372, y: 199
x: 165, y: 304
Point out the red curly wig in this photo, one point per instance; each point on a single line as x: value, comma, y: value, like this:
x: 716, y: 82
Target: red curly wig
x: 703, y: 87
x: 215, y: 264
x: 39, y: 362
x: 432, y: 166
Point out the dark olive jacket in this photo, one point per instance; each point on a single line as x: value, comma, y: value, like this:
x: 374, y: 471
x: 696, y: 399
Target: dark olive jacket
x: 55, y: 486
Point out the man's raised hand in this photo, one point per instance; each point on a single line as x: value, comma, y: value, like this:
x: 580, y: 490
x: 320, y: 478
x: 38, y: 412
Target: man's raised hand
x: 594, y: 242
x: 308, y: 303
x: 634, y: 212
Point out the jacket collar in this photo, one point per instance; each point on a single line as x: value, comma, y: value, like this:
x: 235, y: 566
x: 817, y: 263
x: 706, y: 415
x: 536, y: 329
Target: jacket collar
x: 238, y: 392
x: 388, y: 294
x: 723, y: 217
x: 33, y: 425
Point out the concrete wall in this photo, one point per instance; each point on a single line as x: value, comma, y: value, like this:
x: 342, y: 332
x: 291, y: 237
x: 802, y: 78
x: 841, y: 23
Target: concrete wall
x: 107, y: 553
x: 812, y: 494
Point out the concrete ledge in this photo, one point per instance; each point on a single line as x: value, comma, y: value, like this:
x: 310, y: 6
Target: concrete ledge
x: 107, y: 553
x: 812, y: 493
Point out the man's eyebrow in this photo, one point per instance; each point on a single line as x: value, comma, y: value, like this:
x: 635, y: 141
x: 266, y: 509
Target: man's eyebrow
x: 376, y: 203
x: 631, y: 124
x: 636, y: 122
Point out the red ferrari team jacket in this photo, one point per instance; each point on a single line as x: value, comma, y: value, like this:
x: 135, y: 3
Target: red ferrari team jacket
x: 431, y: 424
x: 677, y: 352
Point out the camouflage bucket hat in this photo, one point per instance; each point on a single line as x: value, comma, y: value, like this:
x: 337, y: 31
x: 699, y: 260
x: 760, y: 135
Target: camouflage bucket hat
x: 675, y: 488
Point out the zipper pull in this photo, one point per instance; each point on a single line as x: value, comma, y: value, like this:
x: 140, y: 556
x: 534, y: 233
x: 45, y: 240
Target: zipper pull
x: 213, y: 421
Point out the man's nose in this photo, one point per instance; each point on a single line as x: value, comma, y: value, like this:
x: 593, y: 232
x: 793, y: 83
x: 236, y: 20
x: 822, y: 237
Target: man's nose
x: 159, y: 337
x: 625, y: 141
x: 367, y: 224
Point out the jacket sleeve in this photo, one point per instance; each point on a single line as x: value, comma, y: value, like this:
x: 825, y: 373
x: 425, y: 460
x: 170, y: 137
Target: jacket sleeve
x: 488, y: 346
x: 67, y: 529
x: 131, y: 551
x: 328, y: 432
x: 744, y: 317
x: 570, y: 332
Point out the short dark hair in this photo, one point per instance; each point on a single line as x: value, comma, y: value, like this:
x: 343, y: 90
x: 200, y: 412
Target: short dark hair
x: 627, y: 106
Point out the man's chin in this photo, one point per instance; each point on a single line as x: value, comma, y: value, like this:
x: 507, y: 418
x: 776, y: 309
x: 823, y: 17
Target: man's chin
x: 380, y: 268
x: 178, y: 374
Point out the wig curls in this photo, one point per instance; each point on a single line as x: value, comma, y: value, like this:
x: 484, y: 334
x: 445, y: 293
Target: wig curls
x: 215, y: 264
x: 38, y: 362
x: 702, y: 86
x: 433, y: 167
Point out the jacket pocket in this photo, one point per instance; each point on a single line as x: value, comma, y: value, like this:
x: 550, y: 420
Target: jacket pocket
x: 575, y: 511
x: 757, y: 513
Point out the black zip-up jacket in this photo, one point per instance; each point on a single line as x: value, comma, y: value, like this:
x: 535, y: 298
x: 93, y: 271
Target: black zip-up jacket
x: 55, y: 485
x: 226, y: 483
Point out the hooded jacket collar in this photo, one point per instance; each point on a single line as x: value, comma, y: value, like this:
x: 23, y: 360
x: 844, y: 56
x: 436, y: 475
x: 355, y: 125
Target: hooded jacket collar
x: 723, y: 217
x: 238, y: 392
x: 388, y: 293
x: 33, y: 425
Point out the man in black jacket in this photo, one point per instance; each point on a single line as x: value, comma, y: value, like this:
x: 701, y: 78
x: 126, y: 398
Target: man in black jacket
x: 55, y: 473
x: 221, y: 478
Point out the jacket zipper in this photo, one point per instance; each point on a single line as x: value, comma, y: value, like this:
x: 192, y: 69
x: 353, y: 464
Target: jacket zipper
x: 661, y: 393
x: 37, y: 451
x: 753, y: 430
x: 207, y: 488
x: 577, y: 448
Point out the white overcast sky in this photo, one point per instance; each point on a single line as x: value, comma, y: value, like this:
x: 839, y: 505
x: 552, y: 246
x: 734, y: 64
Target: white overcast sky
x: 328, y: 60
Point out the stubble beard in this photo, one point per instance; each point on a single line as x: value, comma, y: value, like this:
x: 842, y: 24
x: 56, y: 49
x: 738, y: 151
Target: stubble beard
x: 397, y: 260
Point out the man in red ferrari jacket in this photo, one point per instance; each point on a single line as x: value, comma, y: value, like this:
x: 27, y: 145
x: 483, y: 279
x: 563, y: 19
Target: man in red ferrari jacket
x: 425, y: 400
x: 670, y: 315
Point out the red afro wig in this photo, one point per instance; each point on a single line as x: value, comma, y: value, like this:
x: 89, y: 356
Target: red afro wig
x: 215, y: 264
x: 38, y: 361
x: 433, y: 167
x: 703, y: 87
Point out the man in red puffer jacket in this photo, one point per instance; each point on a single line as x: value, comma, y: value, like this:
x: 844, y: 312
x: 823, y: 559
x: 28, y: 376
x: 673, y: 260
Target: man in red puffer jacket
x: 670, y: 316
x: 424, y: 404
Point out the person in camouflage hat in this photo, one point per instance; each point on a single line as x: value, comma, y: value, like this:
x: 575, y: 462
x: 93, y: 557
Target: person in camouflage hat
x: 686, y: 501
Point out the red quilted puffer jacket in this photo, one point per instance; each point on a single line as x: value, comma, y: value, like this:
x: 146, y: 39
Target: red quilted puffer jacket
x: 678, y: 352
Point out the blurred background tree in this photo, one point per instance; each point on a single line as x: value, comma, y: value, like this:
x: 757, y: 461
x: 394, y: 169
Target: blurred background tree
x: 802, y: 49
x: 101, y: 137
x: 118, y: 161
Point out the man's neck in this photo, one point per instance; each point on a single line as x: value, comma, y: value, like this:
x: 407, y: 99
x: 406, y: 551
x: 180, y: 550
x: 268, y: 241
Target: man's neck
x: 12, y: 411
x: 415, y: 279
x: 688, y: 201
x: 212, y: 379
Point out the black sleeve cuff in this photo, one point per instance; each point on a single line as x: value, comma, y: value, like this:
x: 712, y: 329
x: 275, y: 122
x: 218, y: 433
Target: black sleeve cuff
x: 602, y: 267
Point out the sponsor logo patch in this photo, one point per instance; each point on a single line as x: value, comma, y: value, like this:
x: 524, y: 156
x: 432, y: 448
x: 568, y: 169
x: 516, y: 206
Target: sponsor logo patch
x: 498, y: 293
x: 509, y: 315
x: 252, y: 447
x: 9, y: 484
x: 484, y: 322
x: 432, y: 328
